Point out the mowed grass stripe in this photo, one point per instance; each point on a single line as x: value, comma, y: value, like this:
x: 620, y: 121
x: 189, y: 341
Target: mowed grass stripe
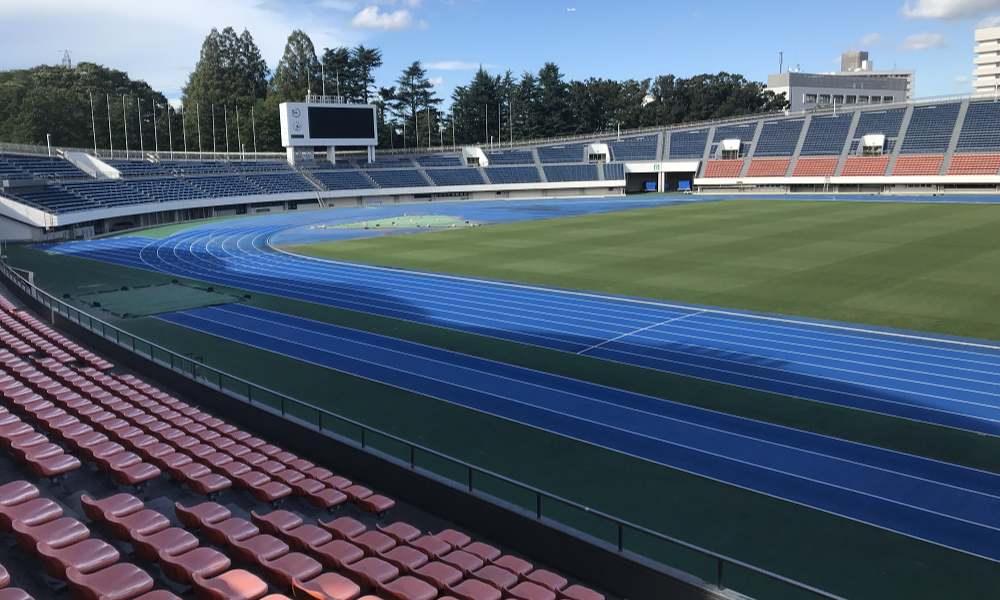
x: 922, y: 267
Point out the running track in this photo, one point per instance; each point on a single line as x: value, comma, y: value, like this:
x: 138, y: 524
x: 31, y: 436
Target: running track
x: 941, y: 503
x: 955, y: 383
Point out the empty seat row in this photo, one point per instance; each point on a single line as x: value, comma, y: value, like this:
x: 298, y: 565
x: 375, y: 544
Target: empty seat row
x: 918, y: 165
x: 815, y: 167
x: 637, y: 148
x: 561, y: 154
x: 827, y: 135
x: 723, y: 168
x: 439, y: 161
x: 560, y: 173
x: 464, y: 176
x: 974, y: 164
x: 58, y: 339
x: 768, y: 167
x: 511, y: 157
x: 35, y: 449
x: 614, y: 171
x: 930, y: 129
x: 865, y: 166
x: 43, y: 166
x: 166, y: 189
x: 508, y: 175
x: 344, y: 180
x: 688, y: 144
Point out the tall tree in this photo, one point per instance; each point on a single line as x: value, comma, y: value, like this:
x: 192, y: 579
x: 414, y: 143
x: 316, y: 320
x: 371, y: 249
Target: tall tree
x: 555, y: 113
x: 338, y: 72
x: 230, y: 77
x: 298, y: 72
x: 363, y: 62
x: 412, y: 94
x: 475, y: 108
x: 527, y: 118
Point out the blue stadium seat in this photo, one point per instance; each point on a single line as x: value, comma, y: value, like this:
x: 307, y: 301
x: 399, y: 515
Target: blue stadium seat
x: 614, y: 171
x: 54, y: 199
x: 502, y: 175
x: 9, y: 171
x: 43, y: 166
x: 511, y: 157
x: 779, y: 138
x: 439, y: 161
x: 639, y: 148
x: 688, y: 144
x: 981, y: 128
x: 463, y: 176
x: 194, y: 168
x: 281, y: 183
x: 166, y: 189
x: 884, y: 122
x: 826, y: 135
x: 222, y: 186
x: 398, y: 178
x: 344, y: 180
x: 137, y: 168
x: 108, y: 192
x: 744, y: 132
x: 389, y: 163
x: 557, y: 173
x: 562, y: 154
x: 930, y: 129
x: 259, y: 167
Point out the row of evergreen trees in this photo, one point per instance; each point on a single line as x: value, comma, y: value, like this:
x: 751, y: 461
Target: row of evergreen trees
x: 231, y: 99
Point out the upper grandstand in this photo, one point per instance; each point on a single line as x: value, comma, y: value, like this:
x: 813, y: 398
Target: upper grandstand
x: 872, y: 148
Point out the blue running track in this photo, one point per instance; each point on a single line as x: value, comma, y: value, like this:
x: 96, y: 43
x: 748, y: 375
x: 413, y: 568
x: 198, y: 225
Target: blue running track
x: 953, y: 506
x: 934, y: 379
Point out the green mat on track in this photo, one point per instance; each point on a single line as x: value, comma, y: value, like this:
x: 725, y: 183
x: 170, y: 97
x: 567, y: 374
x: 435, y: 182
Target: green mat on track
x: 144, y: 301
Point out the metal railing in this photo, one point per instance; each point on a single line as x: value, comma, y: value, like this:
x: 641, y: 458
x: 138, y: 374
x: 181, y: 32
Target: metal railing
x: 328, y: 423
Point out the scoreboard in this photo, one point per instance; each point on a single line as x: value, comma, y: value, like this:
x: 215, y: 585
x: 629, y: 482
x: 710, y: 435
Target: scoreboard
x: 311, y: 124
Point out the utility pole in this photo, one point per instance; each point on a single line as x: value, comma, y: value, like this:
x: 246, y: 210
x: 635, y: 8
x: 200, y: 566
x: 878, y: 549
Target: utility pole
x: 93, y: 121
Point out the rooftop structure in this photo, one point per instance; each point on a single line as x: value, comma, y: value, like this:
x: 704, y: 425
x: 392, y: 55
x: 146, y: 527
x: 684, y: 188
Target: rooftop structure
x: 987, y: 71
x: 856, y: 83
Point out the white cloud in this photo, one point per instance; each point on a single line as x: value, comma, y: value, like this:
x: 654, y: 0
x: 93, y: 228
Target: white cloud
x: 949, y: 10
x: 372, y: 18
x: 962, y: 79
x: 989, y: 22
x: 455, y: 65
x: 870, y: 40
x: 923, y: 41
x: 108, y: 32
x: 436, y: 80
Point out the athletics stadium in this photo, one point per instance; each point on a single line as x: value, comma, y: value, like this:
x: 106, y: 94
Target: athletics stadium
x: 756, y: 357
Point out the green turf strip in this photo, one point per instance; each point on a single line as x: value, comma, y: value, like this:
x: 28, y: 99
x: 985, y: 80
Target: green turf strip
x: 849, y: 558
x: 925, y: 267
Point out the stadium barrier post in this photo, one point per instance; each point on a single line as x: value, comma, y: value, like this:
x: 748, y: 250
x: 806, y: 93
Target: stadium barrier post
x: 721, y: 562
x: 470, y: 479
x: 413, y: 453
x: 538, y: 505
x: 621, y: 537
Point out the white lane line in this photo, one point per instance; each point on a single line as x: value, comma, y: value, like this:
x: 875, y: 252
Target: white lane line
x: 585, y: 350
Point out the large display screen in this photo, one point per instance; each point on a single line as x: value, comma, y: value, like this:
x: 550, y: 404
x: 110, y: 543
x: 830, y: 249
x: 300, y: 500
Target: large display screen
x: 341, y: 123
x: 320, y: 124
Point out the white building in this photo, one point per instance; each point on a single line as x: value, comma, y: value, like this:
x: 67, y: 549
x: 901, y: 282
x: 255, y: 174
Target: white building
x: 987, y: 71
x: 856, y: 83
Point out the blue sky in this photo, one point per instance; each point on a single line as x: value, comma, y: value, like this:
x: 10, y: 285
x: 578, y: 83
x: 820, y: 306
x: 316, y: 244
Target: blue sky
x: 159, y: 41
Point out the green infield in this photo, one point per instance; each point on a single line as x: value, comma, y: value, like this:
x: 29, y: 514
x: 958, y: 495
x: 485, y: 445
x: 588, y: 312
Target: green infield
x: 926, y: 267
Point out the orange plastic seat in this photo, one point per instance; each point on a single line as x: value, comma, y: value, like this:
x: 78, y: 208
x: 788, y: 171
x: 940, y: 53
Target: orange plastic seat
x: 400, y: 531
x: 439, y: 574
x: 202, y: 560
x: 463, y: 561
x: 374, y: 542
x: 170, y: 541
x: 405, y: 558
x: 143, y: 522
x: 328, y: 586
x: 527, y: 590
x: 57, y: 533
x: 86, y: 556
x: 206, y: 512
x: 120, y: 581
x: 31, y: 512
x: 500, y: 578
x: 280, y: 571
x: 409, y: 588
x: 305, y: 536
x: 337, y: 553
x: 431, y: 546
x: 369, y: 572
x: 208, y: 484
x: 259, y: 547
x: 547, y: 579
x: 276, y: 521
x: 484, y: 551
x: 270, y: 492
x: 231, y: 585
x: 578, y: 592
x: 135, y: 474
x: 376, y: 504
x: 515, y: 565
x: 343, y: 528
x: 457, y: 539
x: 118, y: 505
x: 53, y: 466
x: 470, y: 589
x: 235, y: 528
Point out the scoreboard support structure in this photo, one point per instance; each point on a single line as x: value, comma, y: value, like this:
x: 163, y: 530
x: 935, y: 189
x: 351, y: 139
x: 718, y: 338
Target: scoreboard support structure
x: 324, y: 121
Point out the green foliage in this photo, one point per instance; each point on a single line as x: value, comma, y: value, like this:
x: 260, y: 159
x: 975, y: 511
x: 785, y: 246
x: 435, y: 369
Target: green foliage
x: 412, y: 95
x: 56, y: 100
x: 297, y: 72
